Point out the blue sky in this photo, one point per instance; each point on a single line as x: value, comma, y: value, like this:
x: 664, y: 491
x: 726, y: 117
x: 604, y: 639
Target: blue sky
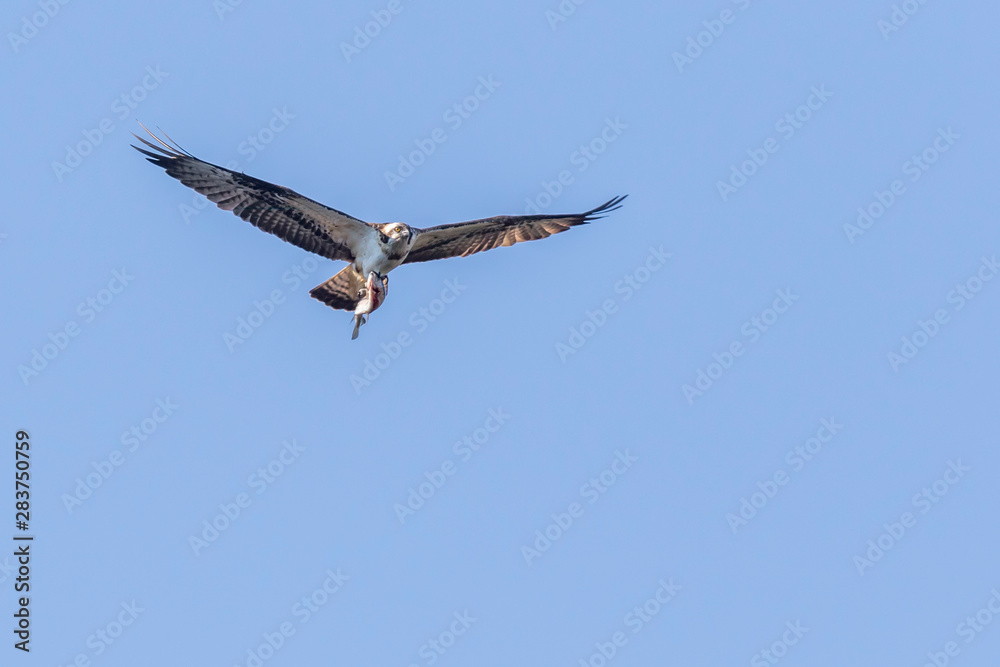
x: 749, y: 418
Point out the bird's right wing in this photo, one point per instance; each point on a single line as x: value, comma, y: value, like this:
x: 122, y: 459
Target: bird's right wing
x: 272, y: 208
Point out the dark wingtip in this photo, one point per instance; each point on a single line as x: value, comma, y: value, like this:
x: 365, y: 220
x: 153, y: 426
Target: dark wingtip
x: 607, y: 207
x: 170, y: 150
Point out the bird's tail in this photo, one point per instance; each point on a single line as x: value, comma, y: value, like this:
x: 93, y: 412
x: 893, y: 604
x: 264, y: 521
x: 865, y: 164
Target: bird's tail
x: 342, y: 290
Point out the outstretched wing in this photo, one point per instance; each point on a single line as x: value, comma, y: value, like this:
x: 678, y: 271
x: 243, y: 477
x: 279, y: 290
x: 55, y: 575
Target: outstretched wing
x: 272, y: 208
x: 467, y: 238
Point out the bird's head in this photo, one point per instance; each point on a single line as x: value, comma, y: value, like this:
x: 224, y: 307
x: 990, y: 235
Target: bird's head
x: 396, y: 232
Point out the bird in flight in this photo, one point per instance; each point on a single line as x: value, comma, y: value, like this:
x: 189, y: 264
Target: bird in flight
x: 370, y: 248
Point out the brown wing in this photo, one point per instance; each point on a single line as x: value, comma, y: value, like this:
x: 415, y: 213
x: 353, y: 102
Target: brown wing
x: 272, y: 208
x: 467, y: 238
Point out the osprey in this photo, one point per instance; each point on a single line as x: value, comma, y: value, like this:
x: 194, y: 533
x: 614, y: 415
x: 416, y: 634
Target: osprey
x: 370, y: 248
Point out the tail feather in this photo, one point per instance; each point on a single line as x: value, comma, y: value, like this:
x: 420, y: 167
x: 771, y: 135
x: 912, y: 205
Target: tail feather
x: 340, y: 291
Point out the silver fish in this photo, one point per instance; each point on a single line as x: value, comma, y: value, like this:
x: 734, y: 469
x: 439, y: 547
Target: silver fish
x: 372, y: 296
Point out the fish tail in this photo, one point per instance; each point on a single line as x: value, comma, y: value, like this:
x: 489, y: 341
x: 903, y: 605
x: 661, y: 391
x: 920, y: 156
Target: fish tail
x: 358, y: 321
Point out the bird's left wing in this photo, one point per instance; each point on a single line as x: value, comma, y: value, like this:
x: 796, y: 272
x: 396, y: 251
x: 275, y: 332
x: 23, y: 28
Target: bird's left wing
x: 272, y: 208
x: 467, y: 238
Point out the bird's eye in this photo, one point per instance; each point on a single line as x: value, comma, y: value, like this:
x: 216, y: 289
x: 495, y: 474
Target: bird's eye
x: 398, y: 229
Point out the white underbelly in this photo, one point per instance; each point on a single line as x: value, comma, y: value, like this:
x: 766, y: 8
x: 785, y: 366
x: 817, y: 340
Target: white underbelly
x: 373, y: 258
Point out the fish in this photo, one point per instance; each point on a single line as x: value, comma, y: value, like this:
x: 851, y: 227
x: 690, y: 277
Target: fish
x: 372, y: 296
